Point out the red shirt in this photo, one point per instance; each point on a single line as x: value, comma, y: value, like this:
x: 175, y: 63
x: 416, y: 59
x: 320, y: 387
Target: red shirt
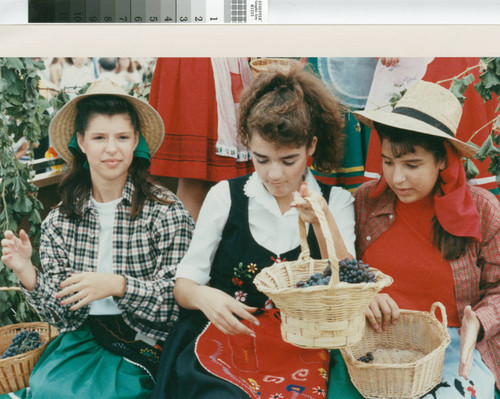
x: 421, y: 276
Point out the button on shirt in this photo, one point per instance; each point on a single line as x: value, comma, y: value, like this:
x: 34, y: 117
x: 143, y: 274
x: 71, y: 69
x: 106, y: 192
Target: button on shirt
x: 270, y: 228
x: 145, y: 251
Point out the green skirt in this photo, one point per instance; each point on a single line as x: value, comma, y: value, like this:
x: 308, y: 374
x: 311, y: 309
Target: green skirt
x: 75, y: 366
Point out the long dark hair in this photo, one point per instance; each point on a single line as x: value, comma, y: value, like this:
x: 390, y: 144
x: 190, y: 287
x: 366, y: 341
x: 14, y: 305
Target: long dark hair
x: 77, y: 183
x: 291, y: 108
x: 404, y: 142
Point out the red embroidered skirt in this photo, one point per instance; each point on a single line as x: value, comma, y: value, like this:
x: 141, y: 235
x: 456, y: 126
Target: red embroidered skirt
x: 183, y: 93
x: 264, y: 366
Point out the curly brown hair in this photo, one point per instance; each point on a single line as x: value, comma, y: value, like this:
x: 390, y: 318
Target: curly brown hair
x: 291, y: 107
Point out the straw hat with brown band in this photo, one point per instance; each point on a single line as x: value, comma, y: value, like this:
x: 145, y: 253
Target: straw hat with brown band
x: 62, y: 126
x: 425, y: 108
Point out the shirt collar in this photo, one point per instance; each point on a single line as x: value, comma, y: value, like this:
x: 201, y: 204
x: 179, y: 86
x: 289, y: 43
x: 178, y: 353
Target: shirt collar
x: 386, y: 203
x: 254, y: 188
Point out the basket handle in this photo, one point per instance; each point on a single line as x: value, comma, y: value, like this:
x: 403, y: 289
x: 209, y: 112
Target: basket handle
x: 325, y: 229
x: 443, y: 313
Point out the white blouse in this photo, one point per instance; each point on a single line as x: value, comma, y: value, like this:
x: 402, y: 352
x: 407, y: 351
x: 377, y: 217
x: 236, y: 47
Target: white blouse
x: 106, y: 211
x: 270, y: 228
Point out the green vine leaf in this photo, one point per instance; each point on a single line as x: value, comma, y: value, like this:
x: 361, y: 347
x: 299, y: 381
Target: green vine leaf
x: 458, y: 87
x: 471, y: 169
x: 396, y: 97
x: 22, y: 114
x: 488, y: 149
x: 489, y: 79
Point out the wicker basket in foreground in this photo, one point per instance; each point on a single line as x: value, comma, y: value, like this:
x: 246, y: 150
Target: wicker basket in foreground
x: 330, y: 316
x: 15, y: 371
x: 408, y: 357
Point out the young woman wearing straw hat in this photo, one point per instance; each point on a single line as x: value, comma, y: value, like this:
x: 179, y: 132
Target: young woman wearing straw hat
x: 435, y: 235
x: 108, y: 253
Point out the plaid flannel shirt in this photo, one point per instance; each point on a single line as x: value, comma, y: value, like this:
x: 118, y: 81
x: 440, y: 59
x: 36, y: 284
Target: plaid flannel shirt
x: 146, y: 251
x: 476, y: 275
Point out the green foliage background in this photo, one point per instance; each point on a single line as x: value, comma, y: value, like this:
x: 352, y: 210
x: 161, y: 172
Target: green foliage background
x: 21, y: 115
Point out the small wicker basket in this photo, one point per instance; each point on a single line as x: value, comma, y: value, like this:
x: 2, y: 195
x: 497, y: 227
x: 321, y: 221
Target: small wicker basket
x: 408, y: 357
x: 270, y: 64
x: 15, y: 371
x: 327, y: 316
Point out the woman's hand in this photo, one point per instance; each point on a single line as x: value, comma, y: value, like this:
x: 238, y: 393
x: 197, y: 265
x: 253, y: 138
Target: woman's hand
x: 16, y: 252
x: 389, y: 61
x: 307, y: 214
x: 223, y: 310
x: 304, y: 208
x: 16, y: 255
x: 468, y: 338
x: 87, y: 287
x: 382, y: 312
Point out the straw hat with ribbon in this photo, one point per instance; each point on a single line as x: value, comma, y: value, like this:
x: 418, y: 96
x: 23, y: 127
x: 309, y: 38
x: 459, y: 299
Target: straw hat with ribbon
x: 431, y: 109
x: 425, y: 108
x: 62, y: 126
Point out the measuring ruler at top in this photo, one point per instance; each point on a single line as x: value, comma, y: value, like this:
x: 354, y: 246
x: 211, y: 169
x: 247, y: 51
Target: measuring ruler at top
x: 149, y: 11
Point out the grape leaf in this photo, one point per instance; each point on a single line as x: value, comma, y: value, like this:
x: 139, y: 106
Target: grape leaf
x: 471, y: 169
x: 484, y: 150
x: 14, y: 63
x: 490, y: 79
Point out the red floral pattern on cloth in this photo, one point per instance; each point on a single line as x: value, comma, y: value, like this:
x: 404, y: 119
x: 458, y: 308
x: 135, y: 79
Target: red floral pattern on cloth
x: 264, y: 366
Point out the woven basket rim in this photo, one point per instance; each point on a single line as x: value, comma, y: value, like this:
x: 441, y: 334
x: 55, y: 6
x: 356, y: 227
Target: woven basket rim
x: 342, y: 285
x: 444, y: 343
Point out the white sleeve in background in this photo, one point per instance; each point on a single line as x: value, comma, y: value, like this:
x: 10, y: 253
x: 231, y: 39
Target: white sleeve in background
x: 341, y: 205
x: 212, y: 218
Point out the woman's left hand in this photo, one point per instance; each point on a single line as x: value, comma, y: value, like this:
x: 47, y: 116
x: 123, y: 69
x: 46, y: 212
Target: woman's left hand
x: 87, y: 287
x: 304, y: 207
x: 468, y: 338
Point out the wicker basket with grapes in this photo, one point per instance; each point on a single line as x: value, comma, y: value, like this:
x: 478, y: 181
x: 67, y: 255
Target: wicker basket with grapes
x: 21, y: 345
x: 322, y: 302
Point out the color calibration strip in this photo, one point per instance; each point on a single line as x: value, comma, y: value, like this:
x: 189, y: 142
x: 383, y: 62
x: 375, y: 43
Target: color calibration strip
x: 149, y: 11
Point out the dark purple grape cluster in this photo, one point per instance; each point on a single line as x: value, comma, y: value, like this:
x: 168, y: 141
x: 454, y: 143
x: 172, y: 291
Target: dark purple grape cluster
x: 316, y: 279
x: 366, y: 358
x: 350, y: 271
x: 24, y: 341
x: 355, y: 271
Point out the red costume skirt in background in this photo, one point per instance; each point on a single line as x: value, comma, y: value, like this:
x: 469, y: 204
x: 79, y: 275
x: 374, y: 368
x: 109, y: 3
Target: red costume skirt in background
x: 183, y: 93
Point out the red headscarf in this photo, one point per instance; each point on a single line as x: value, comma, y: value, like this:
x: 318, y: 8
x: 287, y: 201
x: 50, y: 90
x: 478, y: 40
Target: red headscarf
x: 455, y: 208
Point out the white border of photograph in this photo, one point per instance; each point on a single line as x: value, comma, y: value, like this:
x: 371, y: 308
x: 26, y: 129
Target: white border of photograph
x: 42, y: 40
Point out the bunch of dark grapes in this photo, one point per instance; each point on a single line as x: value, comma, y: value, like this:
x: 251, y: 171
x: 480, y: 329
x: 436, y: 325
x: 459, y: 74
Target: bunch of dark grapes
x: 24, y: 341
x: 316, y: 279
x: 366, y: 358
x: 350, y: 271
x: 355, y: 271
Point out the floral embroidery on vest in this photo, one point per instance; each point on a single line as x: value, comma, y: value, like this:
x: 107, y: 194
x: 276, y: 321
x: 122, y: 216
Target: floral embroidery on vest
x: 242, y: 278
